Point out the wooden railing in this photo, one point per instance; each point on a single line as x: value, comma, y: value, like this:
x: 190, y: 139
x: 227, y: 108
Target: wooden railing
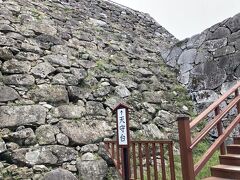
x: 148, y: 159
x: 187, y: 143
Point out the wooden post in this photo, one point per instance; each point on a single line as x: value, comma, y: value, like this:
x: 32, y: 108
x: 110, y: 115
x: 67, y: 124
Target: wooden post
x: 123, y: 139
x: 238, y: 104
x: 220, y: 131
x: 185, y: 151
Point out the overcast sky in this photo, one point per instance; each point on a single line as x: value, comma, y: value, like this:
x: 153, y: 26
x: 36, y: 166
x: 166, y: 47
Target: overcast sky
x: 184, y: 18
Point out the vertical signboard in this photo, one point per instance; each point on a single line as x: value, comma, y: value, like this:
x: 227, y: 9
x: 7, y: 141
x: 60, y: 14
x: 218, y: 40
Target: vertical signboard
x: 122, y: 127
x: 123, y: 137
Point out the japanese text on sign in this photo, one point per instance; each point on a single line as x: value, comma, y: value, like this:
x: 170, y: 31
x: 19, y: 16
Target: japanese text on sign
x: 122, y: 127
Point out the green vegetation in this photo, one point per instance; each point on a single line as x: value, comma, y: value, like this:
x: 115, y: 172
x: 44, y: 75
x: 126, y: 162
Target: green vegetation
x: 197, y: 154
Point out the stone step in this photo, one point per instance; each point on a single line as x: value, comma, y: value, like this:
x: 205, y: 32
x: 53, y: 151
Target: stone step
x: 233, y: 149
x: 216, y: 178
x: 226, y: 171
x: 230, y: 159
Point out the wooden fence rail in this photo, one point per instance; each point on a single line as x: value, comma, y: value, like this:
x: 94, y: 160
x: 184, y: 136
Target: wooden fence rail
x: 148, y: 159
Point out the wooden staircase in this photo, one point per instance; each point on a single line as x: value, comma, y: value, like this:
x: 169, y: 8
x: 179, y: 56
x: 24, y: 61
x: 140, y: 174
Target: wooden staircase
x: 229, y: 167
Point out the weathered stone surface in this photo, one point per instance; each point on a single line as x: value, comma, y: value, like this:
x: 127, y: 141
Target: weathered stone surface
x: 27, y: 56
x: 69, y: 111
x: 57, y: 60
x: 173, y: 56
x: 145, y: 72
x: 19, y: 80
x: 95, y: 108
x: 234, y: 23
x: 237, y: 72
x: 213, y: 45
x: 102, y: 91
x: 59, y: 174
x: 14, y: 66
x: 206, y: 96
x: 49, y: 93
x: 52, y: 154
x: 203, y: 56
x: 122, y: 91
x: 224, y: 51
x: 75, y: 93
x: 45, y: 134
x: 62, y: 139
x: 187, y: 56
x: 85, y: 132
x: 164, y: 119
x: 153, y: 97
x: 23, y: 137
x: 226, y: 86
x: 196, y: 40
x: 91, y: 166
x: 65, y: 79
x: 6, y: 54
x: 79, y: 73
x: 184, y: 78
x: 43, y: 69
x: 230, y: 62
x: 12, y: 116
x: 8, y: 94
x: 3, y: 147
x: 89, y: 148
x: 185, y: 68
x: 219, y: 33
x: 212, y: 75
x: 151, y: 131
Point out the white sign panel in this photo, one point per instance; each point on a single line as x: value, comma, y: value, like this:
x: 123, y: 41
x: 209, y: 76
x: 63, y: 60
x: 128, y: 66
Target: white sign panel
x: 122, y: 127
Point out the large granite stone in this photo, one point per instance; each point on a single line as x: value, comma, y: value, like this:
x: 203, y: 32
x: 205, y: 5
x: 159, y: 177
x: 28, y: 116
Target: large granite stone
x: 69, y: 111
x: 49, y: 93
x: 5, y: 54
x: 188, y: 56
x: 15, y: 66
x: 19, y: 80
x: 8, y: 94
x: 91, y: 166
x: 12, y: 116
x: 43, y: 69
x: 85, y: 132
x: 51, y: 154
x: 60, y: 60
x: 45, y: 134
x: 59, y: 174
x: 234, y: 23
x: 219, y: 33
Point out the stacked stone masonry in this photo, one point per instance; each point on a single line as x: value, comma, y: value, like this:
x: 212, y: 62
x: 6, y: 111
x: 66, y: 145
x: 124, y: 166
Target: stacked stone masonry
x: 209, y: 62
x: 64, y: 66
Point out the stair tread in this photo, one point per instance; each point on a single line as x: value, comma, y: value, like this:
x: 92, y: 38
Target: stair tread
x: 227, y: 167
x: 216, y: 178
x: 234, y: 145
x: 230, y: 155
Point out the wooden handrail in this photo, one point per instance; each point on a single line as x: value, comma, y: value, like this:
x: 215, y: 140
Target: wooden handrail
x: 205, y: 113
x: 208, y: 154
x: 214, y: 122
x: 189, y: 170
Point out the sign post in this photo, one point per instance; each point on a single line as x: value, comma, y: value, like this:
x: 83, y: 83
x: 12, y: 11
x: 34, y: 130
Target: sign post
x: 122, y: 115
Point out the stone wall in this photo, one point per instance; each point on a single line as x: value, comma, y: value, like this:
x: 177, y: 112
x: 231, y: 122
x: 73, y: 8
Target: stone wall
x: 64, y: 66
x: 209, y: 62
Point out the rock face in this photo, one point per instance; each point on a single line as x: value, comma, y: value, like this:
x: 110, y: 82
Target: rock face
x: 59, y: 174
x: 64, y: 66
x: 209, y: 60
x: 91, y: 166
